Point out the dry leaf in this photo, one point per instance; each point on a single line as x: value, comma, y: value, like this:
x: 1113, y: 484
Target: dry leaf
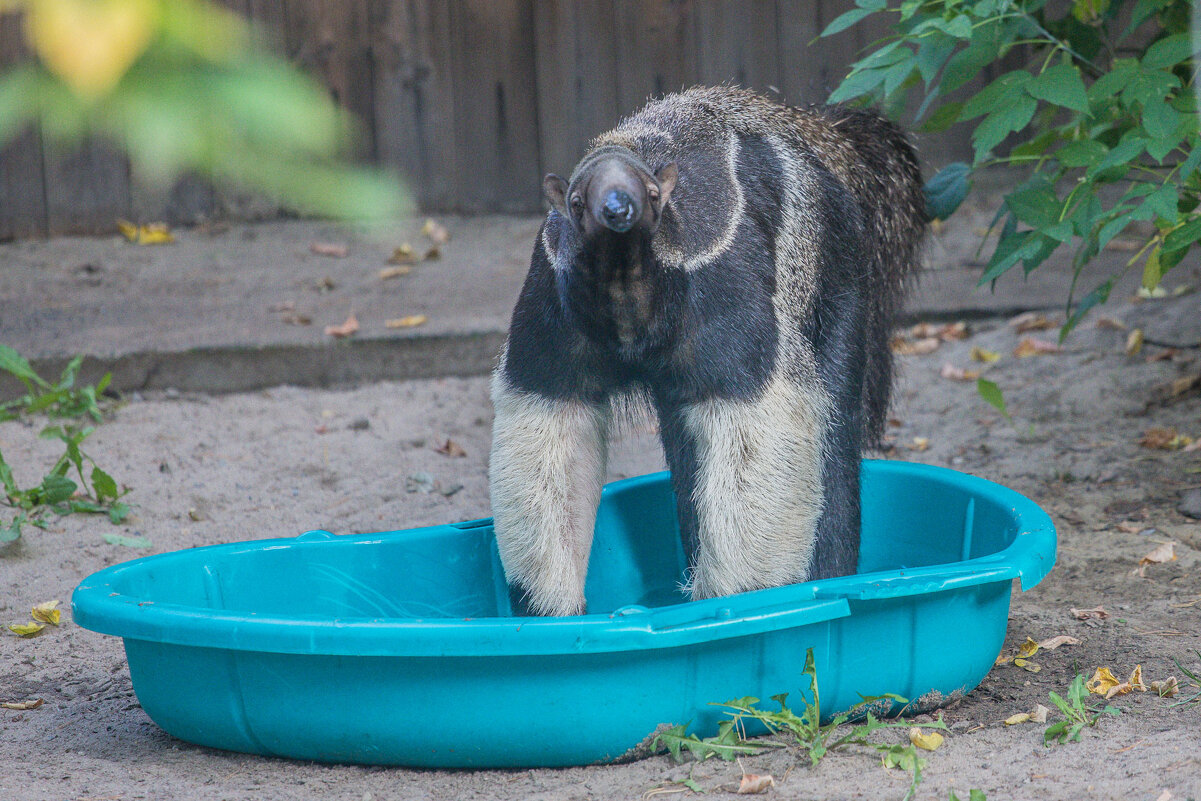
x: 393, y: 272
x: 1183, y: 385
x: 1054, y: 642
x: 1136, y: 679
x: 1134, y: 342
x: 958, y: 373
x: 1027, y: 665
x: 411, y: 321
x: 436, y: 232
x: 433, y: 254
x: 1097, y: 613
x: 1166, y: 688
x: 919, y: 444
x: 149, y: 234
x: 1163, y: 553
x: 1020, y: 717
x: 403, y: 255
x: 1029, y: 346
x: 296, y: 319
x: 920, y: 347
x: 953, y: 331
x: 1131, y: 527
x: 1165, y: 355
x: 1164, y: 439
x: 26, y: 629
x: 1102, y: 681
x: 927, y: 742
x: 979, y: 354
x: 22, y: 706
x: 1030, y: 321
x: 47, y: 613
x: 345, y: 329
x: 1166, y: 795
x: 1028, y: 649
x: 451, y: 448
x: 1039, y: 714
x: 335, y: 250
x: 753, y: 783
x: 1111, y: 324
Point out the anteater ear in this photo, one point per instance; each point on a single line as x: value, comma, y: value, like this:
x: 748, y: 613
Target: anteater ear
x: 666, y: 176
x: 555, y: 189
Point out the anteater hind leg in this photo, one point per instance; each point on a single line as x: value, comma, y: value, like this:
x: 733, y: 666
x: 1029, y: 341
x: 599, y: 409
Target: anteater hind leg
x: 754, y: 486
x: 546, y: 472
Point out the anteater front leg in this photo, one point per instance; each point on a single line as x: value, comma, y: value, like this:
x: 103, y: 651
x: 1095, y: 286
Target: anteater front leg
x: 547, y: 468
x: 751, y: 481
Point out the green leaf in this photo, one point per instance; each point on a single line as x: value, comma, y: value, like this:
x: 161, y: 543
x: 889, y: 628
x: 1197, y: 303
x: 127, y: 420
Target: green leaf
x: 55, y: 489
x: 1002, y: 91
x: 1035, y: 202
x: 844, y: 21
x: 1183, y: 236
x: 1089, y: 11
x: 992, y: 395
x: 16, y: 364
x: 1162, y: 121
x: 1014, y: 116
x: 983, y: 49
x: 12, y: 531
x: 857, y: 84
x: 1119, y: 75
x: 104, y: 485
x: 1099, y: 295
x: 1168, y: 52
x: 932, y: 54
x: 118, y: 512
x: 1162, y: 203
x: 944, y: 117
x: 136, y: 542
x: 1062, y: 85
x: 976, y: 795
x: 947, y: 189
x: 1151, y: 270
x: 1125, y: 152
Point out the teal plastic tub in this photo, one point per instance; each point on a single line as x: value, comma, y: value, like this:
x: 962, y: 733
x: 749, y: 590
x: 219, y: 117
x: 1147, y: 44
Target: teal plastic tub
x: 400, y: 648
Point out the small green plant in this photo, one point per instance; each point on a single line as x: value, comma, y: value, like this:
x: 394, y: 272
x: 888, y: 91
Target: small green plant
x: 92, y: 491
x: 1196, y: 697
x: 1077, y: 714
x: 973, y: 795
x: 808, y: 732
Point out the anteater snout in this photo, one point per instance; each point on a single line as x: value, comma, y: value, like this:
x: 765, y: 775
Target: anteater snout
x: 618, y: 211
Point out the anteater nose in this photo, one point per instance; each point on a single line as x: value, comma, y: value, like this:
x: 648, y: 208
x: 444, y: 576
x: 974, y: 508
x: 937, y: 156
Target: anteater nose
x: 618, y: 211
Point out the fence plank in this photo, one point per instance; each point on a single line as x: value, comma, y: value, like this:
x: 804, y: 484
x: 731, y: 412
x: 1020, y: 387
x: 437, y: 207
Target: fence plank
x: 577, y: 78
x: 738, y: 43
x: 22, y: 191
x: 496, y: 128
x: 414, y: 96
x: 656, y: 50
x: 804, y: 77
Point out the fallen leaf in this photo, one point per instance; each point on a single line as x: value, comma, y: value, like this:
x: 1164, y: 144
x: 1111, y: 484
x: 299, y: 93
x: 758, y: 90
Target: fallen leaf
x: 149, y: 234
x: 979, y: 354
x: 1020, y: 717
x: 1027, y: 665
x: 1183, y: 385
x: 1164, y: 439
x: 1028, y: 649
x: 1165, y: 355
x: 954, y: 331
x: 346, y: 329
x: 1165, y: 552
x: 436, y: 232
x: 22, y: 706
x: 1030, y: 321
x: 919, y: 444
x: 1039, y: 714
x: 1097, y: 613
x: 1134, y: 342
x: 296, y: 319
x: 1166, y: 688
x: 1102, y: 681
x: 904, y: 347
x: 410, y: 321
x: 26, y: 629
x: 1052, y: 643
x: 47, y: 613
x: 403, y: 255
x: 420, y: 482
x: 1166, y: 795
x: 927, y: 742
x: 1131, y: 527
x: 335, y: 250
x: 433, y: 254
x: 753, y: 784
x: 1030, y: 346
x: 451, y: 448
x: 1136, y: 679
x: 1111, y: 324
x: 394, y: 272
x: 958, y: 373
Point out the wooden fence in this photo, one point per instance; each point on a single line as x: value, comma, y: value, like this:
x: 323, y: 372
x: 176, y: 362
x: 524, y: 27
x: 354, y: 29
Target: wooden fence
x: 471, y: 100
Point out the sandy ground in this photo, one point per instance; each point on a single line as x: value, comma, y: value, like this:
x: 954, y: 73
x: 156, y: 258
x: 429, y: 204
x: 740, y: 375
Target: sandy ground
x: 274, y: 463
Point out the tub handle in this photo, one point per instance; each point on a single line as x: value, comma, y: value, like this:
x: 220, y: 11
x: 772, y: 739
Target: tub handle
x: 756, y: 621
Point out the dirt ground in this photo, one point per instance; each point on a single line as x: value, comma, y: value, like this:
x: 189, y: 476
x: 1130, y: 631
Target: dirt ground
x: 210, y: 469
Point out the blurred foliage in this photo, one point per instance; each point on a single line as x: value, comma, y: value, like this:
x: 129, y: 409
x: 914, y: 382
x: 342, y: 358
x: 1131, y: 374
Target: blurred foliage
x: 187, y: 86
x: 1103, y: 112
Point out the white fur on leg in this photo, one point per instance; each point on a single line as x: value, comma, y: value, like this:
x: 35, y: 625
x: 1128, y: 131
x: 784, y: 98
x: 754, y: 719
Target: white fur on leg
x: 546, y: 472
x: 758, y: 491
